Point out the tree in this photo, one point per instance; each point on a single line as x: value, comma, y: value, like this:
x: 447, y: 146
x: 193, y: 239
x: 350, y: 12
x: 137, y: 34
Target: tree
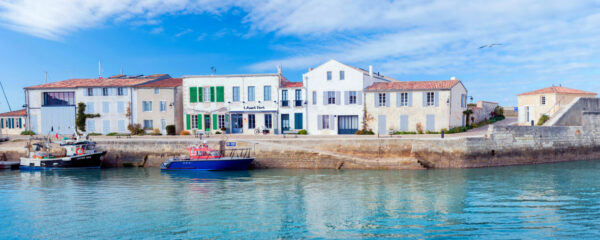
x: 468, y: 113
x: 81, y: 117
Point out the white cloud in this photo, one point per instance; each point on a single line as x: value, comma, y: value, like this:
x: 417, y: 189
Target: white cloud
x: 184, y: 32
x: 157, y: 30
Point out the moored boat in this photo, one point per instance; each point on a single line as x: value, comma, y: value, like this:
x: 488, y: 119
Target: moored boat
x: 69, y: 154
x: 204, y: 158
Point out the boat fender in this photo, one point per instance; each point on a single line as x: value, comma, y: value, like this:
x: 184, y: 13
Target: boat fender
x: 79, y: 151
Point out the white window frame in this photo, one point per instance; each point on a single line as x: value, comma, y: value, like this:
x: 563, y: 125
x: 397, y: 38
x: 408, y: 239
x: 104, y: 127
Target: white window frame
x: 148, y: 121
x: 163, y: 106
x: 352, y: 96
x: 543, y: 100
x: 235, y: 94
x: 325, y: 121
x: 105, y: 92
x: 267, y: 93
x: 403, y: 99
x: 194, y: 121
x: 221, y: 121
x: 268, y: 121
x: 144, y: 109
x: 90, y: 92
x: 120, y: 91
x: 331, y: 97
x: 251, y: 121
x: 342, y: 75
x: 430, y: 101
x: 156, y: 90
x: 206, y: 94
x: 314, y: 96
x: 329, y: 75
x: 382, y: 99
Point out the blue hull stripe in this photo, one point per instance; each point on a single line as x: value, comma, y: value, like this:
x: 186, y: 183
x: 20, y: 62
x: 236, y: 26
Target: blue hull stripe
x: 210, y: 165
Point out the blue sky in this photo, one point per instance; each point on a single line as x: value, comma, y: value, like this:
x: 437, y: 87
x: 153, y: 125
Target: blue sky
x: 543, y: 42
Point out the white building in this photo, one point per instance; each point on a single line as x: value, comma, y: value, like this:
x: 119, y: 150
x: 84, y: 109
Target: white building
x: 240, y: 103
x: 415, y: 106
x: 292, y: 106
x: 335, y: 97
x: 52, y: 106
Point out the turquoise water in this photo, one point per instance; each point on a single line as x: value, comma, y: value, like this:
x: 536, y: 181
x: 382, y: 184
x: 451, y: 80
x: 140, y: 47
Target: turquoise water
x: 540, y: 201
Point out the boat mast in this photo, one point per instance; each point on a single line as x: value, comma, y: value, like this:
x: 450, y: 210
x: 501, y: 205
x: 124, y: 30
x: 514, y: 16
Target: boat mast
x: 5, y: 97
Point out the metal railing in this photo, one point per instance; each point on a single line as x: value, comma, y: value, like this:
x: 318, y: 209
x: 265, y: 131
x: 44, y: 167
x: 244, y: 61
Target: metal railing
x: 285, y: 103
x: 298, y: 103
x: 237, y: 153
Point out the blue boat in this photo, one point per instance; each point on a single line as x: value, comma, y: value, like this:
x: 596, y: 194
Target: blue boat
x: 206, y: 159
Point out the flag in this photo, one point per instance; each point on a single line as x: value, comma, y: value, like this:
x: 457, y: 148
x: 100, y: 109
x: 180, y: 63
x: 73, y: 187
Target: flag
x: 57, y: 136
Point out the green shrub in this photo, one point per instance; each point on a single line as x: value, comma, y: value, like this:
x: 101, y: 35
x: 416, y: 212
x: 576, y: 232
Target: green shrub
x: 170, y: 130
x: 94, y: 134
x: 365, y: 132
x: 404, y: 132
x: 27, y: 132
x: 112, y: 134
x: 544, y: 118
x: 136, y: 129
x: 458, y: 130
x: 498, y: 111
x: 302, y: 132
x: 431, y: 132
x: 218, y: 132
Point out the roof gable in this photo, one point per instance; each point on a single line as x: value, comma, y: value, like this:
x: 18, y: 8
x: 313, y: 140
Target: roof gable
x: 413, y: 85
x: 558, y: 90
x: 17, y: 113
x: 104, y: 82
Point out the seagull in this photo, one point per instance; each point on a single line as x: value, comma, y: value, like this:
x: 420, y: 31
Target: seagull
x: 490, y: 45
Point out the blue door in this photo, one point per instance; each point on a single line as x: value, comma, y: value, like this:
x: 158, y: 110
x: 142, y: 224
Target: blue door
x: 237, y: 123
x: 285, y: 122
x: 347, y: 124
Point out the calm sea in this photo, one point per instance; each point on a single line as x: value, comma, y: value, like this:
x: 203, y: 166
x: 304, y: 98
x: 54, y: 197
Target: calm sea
x: 540, y: 201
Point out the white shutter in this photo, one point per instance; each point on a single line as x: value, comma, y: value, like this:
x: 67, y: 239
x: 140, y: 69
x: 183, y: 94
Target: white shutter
x: 331, y: 122
x: 319, y: 122
x: 410, y: 100
x: 338, y: 98
x: 388, y: 99
x: 376, y: 99
x: 398, y: 99
x: 359, y: 97
x: 437, y: 98
x: 325, y: 96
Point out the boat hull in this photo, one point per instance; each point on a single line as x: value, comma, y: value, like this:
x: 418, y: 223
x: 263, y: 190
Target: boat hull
x: 93, y: 160
x: 208, y: 164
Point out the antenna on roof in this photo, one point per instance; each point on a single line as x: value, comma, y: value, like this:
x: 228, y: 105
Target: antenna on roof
x: 213, y: 70
x: 45, y: 77
x: 121, y: 71
x: 99, y: 70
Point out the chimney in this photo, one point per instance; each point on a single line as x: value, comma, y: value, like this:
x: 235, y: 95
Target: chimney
x: 371, y: 70
x: 453, y: 78
x: 279, y: 69
x: 309, y: 69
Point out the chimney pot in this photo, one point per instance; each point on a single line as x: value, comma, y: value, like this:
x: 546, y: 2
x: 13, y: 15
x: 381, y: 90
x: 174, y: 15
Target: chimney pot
x: 371, y: 70
x: 453, y: 78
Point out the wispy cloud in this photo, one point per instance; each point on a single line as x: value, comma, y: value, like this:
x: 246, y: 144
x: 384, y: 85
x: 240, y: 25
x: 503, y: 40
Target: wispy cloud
x: 157, y: 30
x: 184, y: 32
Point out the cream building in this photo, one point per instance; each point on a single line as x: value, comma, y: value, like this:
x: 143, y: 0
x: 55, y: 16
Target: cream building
x: 13, y: 123
x: 546, y: 101
x: 159, y: 104
x: 402, y: 106
x: 335, y: 97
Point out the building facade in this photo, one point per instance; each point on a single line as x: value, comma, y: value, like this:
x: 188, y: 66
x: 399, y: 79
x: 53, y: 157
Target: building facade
x: 13, y: 123
x: 546, y: 101
x: 52, y: 107
x: 292, y: 105
x: 159, y: 104
x: 334, y: 93
x: 482, y: 111
x: 415, y: 105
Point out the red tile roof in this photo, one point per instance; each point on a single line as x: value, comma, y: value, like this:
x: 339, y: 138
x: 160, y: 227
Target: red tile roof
x: 292, y: 84
x: 413, y: 85
x: 167, y: 83
x: 126, y: 81
x: 16, y: 113
x: 560, y: 89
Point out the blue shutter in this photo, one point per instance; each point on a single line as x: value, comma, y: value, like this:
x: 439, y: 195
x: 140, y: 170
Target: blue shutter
x: 376, y: 99
x: 424, y: 99
x: 410, y: 99
x: 437, y: 98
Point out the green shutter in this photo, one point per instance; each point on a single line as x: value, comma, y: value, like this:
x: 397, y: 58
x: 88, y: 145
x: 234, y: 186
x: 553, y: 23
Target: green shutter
x: 188, y: 119
x: 298, y: 120
x: 212, y: 94
x: 200, y: 92
x: 193, y: 94
x: 1, y: 122
x: 200, y: 121
x: 215, y: 121
x: 221, y: 94
x: 20, y: 123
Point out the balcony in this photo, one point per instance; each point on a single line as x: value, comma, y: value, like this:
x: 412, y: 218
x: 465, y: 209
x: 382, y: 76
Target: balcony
x: 298, y: 103
x: 285, y: 103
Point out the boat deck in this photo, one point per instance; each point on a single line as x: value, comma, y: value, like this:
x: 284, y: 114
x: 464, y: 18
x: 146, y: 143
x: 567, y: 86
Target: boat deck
x: 9, y: 165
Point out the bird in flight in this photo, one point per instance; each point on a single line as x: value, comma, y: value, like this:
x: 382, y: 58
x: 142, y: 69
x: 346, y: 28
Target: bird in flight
x: 490, y: 45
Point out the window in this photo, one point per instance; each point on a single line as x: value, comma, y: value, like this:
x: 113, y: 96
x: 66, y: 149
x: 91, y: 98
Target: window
x: 331, y: 97
x: 268, y: 121
x: 59, y: 99
x: 105, y: 92
x: 543, y: 100
x: 314, y: 97
x: 352, y: 97
x: 251, y: 121
x: 328, y: 75
x: 325, y: 122
x: 298, y: 98
x: 146, y: 106
x: 121, y: 91
x: 284, y: 98
x: 90, y: 92
x: 403, y: 99
x: 157, y: 91
x: 206, y: 94
x: 105, y: 107
x: 430, y: 99
x: 236, y: 94
x: 342, y: 75
x: 194, y: 121
x: 120, y: 107
x: 148, y: 124
x: 89, y: 108
x: 382, y: 100
x: 250, y: 93
x: 163, y: 124
x: 221, y: 121
x: 163, y: 106
x: 267, y: 93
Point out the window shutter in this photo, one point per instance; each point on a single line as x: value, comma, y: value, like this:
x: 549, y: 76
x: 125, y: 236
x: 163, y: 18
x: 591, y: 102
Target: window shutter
x: 346, y: 97
x: 331, y: 122
x: 410, y: 99
x: 214, y: 121
x: 96, y: 91
x: 125, y: 91
x: 188, y: 119
x: 388, y: 99
x: 424, y: 99
x: 376, y: 99
x: 212, y: 94
x: 200, y: 120
x: 85, y: 92
x: 437, y: 98
x: 325, y: 96
x: 319, y: 122
x: 359, y: 96
x: 1, y: 122
x: 338, y: 98
x: 193, y: 94
x: 398, y: 95
x: 227, y: 120
x: 221, y: 94
x: 200, y: 94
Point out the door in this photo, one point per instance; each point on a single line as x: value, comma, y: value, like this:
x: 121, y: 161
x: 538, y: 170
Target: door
x: 347, y: 124
x: 430, y: 123
x: 381, y: 125
x: 298, y: 121
x: 237, y: 123
x: 207, y: 123
x: 404, y: 123
x: 285, y: 122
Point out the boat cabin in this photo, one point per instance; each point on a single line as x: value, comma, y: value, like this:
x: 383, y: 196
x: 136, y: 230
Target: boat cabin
x: 203, y: 152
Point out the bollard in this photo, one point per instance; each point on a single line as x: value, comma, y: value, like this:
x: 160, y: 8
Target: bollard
x: 532, y: 123
x: 442, y: 134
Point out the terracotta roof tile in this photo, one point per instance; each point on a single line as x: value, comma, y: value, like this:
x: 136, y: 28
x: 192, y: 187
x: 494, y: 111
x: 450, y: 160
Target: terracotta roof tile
x: 292, y: 84
x: 16, y: 113
x: 559, y: 89
x: 167, y: 83
x: 413, y: 85
x: 105, y: 82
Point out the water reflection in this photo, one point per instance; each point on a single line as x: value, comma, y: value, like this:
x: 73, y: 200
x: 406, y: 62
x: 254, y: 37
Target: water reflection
x: 540, y: 201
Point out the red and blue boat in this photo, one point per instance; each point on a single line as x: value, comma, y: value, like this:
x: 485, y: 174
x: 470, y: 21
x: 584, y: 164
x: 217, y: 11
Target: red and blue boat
x: 207, y: 159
